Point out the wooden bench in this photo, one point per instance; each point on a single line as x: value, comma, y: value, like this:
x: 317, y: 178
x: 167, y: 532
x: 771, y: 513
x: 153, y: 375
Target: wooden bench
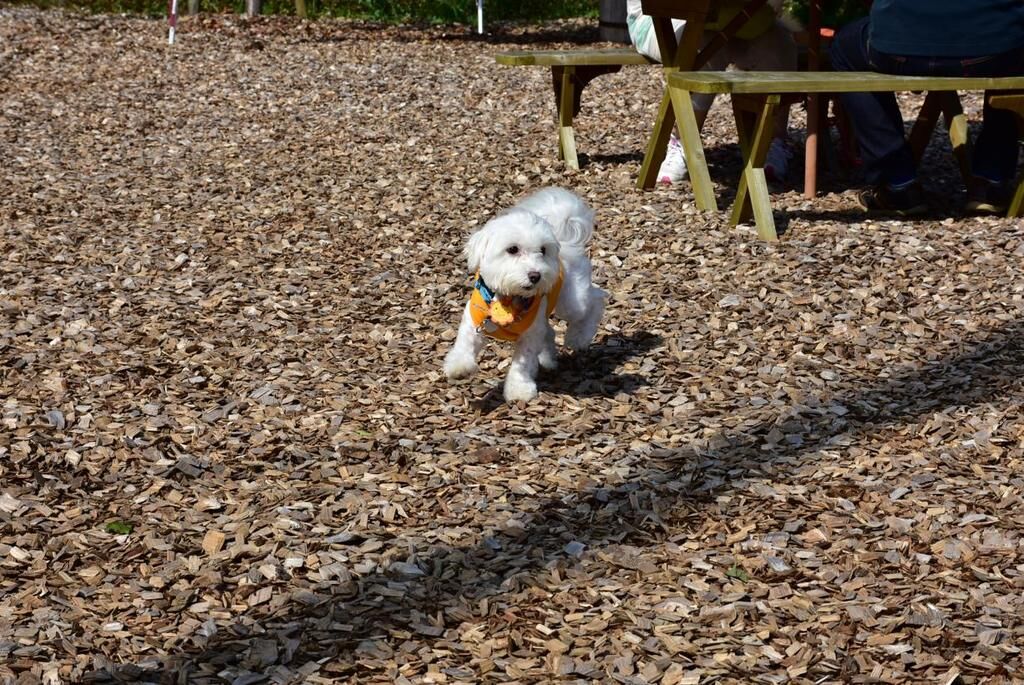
x: 755, y: 95
x: 571, y: 71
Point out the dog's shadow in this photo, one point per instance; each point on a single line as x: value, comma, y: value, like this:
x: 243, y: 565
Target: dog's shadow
x: 590, y: 373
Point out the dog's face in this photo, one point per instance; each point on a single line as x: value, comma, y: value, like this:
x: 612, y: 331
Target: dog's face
x: 516, y: 253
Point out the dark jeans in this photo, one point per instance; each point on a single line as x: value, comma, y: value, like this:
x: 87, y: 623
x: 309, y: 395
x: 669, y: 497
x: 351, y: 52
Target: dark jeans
x: 876, y: 117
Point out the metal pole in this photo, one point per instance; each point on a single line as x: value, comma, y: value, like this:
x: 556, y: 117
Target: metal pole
x: 172, y: 20
x: 480, y: 16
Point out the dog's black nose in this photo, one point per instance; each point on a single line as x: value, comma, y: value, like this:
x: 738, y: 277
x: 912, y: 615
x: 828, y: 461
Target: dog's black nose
x: 534, y: 276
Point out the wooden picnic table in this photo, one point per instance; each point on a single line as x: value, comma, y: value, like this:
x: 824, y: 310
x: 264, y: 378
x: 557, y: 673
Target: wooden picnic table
x: 689, y: 53
x: 693, y: 52
x: 573, y: 69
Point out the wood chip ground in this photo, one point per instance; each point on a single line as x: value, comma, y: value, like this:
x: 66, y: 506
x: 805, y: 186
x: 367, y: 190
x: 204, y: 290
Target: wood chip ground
x: 230, y: 270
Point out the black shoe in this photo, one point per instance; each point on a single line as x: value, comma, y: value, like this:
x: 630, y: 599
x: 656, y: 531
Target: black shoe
x: 988, y: 197
x: 906, y: 201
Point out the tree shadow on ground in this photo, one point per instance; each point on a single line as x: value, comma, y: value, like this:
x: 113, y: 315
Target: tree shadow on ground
x: 990, y: 369
x: 438, y: 589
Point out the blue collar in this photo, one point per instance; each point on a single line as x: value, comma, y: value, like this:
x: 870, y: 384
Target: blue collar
x: 484, y: 291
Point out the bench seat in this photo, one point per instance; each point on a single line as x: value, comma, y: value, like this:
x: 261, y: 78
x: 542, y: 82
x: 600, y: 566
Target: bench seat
x: 571, y: 58
x: 780, y: 82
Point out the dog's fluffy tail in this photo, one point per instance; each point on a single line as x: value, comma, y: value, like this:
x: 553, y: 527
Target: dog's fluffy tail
x: 568, y: 214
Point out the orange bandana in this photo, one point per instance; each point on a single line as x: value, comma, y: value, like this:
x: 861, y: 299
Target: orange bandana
x: 506, y: 318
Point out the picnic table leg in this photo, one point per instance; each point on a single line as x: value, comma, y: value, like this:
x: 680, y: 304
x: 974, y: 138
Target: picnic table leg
x: 568, y: 84
x: 1017, y: 204
x: 581, y: 77
x: 921, y: 132
x: 700, y: 177
x: 956, y: 123
x: 755, y: 134
x: 655, y: 153
x: 675, y: 56
x: 946, y: 103
x: 566, y: 97
x: 746, y: 124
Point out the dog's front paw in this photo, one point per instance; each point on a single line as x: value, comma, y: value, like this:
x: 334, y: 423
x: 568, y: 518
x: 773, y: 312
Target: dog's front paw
x: 458, y: 365
x: 518, y: 390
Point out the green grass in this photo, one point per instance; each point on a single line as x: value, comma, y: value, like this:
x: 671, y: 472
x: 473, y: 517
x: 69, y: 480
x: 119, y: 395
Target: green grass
x: 738, y: 573
x: 119, y: 528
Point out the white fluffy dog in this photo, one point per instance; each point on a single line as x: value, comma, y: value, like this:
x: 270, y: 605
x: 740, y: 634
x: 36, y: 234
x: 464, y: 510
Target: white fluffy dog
x: 531, y: 261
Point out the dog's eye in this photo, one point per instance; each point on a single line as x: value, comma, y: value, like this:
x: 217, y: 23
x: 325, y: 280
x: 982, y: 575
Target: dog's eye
x: 543, y: 250
x: 513, y: 249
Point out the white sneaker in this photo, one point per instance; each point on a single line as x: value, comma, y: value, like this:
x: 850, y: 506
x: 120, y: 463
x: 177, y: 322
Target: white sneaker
x: 776, y: 165
x: 673, y: 169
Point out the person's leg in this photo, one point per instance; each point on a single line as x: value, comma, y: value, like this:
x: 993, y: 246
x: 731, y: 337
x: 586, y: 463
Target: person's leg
x: 994, y: 159
x: 875, y: 117
x: 995, y: 151
x: 993, y: 163
x: 644, y: 38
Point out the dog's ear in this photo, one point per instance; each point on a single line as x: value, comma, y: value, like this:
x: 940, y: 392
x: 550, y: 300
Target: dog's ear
x: 475, y: 249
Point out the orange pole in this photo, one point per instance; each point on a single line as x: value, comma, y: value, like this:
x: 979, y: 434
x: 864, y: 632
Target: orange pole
x: 813, y: 102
